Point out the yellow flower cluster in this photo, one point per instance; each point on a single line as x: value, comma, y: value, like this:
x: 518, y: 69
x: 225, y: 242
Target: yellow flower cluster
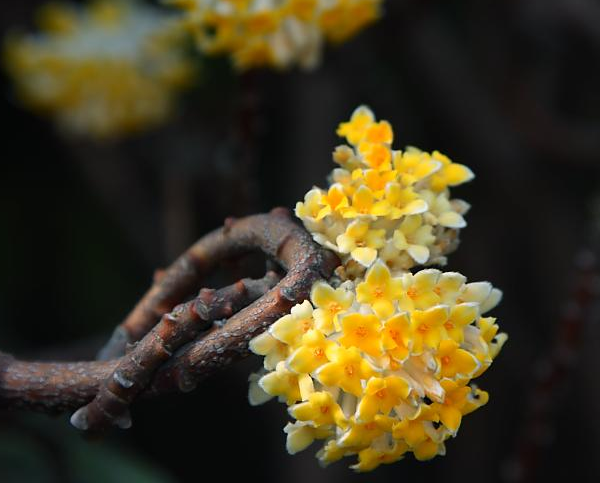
x: 103, y: 70
x: 380, y: 364
x: 278, y: 33
x: 384, y: 203
x: 380, y: 367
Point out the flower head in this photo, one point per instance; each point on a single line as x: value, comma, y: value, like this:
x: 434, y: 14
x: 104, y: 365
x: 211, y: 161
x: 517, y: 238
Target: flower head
x: 380, y: 362
x: 276, y: 33
x: 102, y: 70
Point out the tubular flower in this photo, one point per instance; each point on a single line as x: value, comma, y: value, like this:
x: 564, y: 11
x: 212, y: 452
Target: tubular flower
x: 275, y: 33
x: 401, y: 199
x: 379, y: 363
x: 103, y: 70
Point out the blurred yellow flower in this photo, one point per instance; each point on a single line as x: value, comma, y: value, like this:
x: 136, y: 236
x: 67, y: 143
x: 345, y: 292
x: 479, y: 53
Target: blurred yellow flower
x: 275, y: 33
x: 102, y: 70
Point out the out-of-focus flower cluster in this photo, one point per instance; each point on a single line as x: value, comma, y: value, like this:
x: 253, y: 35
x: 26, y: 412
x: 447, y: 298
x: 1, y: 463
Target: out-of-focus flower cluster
x: 380, y: 364
x: 385, y: 203
x: 105, y: 69
x: 278, y: 33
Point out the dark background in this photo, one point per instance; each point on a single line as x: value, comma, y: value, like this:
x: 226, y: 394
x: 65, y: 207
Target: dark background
x: 508, y: 88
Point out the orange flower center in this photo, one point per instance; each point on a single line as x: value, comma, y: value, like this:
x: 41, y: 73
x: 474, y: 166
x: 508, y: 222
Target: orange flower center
x: 381, y: 394
x: 324, y: 409
x: 423, y: 328
x: 378, y: 292
x: 446, y: 360
x: 370, y: 426
x: 334, y: 307
x: 412, y: 293
x: 449, y: 325
x: 361, y: 332
x: 306, y: 325
x: 438, y: 290
x: 319, y: 353
x: 349, y: 369
x: 394, y: 334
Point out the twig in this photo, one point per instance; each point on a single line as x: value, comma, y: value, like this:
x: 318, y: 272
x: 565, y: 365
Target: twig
x: 183, y: 324
x: 56, y: 387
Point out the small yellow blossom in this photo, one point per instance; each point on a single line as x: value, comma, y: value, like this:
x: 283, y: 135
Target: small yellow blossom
x: 428, y: 327
x: 361, y: 331
x: 311, y: 354
x: 380, y: 290
x: 370, y: 458
x: 364, y: 203
x: 454, y: 361
x: 361, y: 242
x: 285, y: 384
x: 330, y: 303
x: 346, y: 370
x: 103, y: 70
x: 301, y: 435
x: 420, y: 290
x: 414, y: 237
x: 381, y: 395
x: 362, y: 434
x: 279, y: 34
x: 273, y: 349
x: 355, y: 130
x: 290, y: 328
x: 333, y: 200
x: 450, y: 174
x: 452, y: 409
x: 396, y: 336
x: 320, y: 410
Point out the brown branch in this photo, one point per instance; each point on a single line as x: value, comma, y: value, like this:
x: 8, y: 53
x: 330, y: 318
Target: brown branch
x: 110, y: 407
x: 55, y: 387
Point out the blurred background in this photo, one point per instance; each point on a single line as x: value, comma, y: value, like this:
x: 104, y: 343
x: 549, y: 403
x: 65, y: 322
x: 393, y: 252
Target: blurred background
x: 508, y: 88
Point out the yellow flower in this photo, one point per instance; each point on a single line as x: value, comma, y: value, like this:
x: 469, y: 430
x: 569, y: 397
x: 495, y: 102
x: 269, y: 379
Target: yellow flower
x: 449, y: 286
x: 361, y: 331
x: 355, y: 130
x: 396, y: 336
x: 412, y: 430
x: 334, y: 200
x: 320, y: 410
x: 371, y: 458
x: 381, y: 395
x: 311, y: 354
x: 452, y: 409
x: 346, y: 370
x: 361, y: 434
x: 450, y: 174
x: 364, y: 203
x: 415, y: 238
x: 379, y: 132
x: 73, y: 72
x: 375, y: 180
x: 330, y: 303
x: 361, y: 242
x: 289, y: 329
x: 379, y: 290
x: 273, y: 349
x: 428, y: 327
x: 455, y: 362
x: 289, y: 387
x: 375, y: 155
x: 414, y: 165
x: 441, y: 212
x: 301, y: 435
x: 460, y: 316
x: 403, y: 201
x: 420, y: 290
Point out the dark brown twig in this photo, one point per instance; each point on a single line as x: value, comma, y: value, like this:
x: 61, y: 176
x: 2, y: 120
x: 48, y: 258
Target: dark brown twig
x: 56, y: 387
x: 183, y: 324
